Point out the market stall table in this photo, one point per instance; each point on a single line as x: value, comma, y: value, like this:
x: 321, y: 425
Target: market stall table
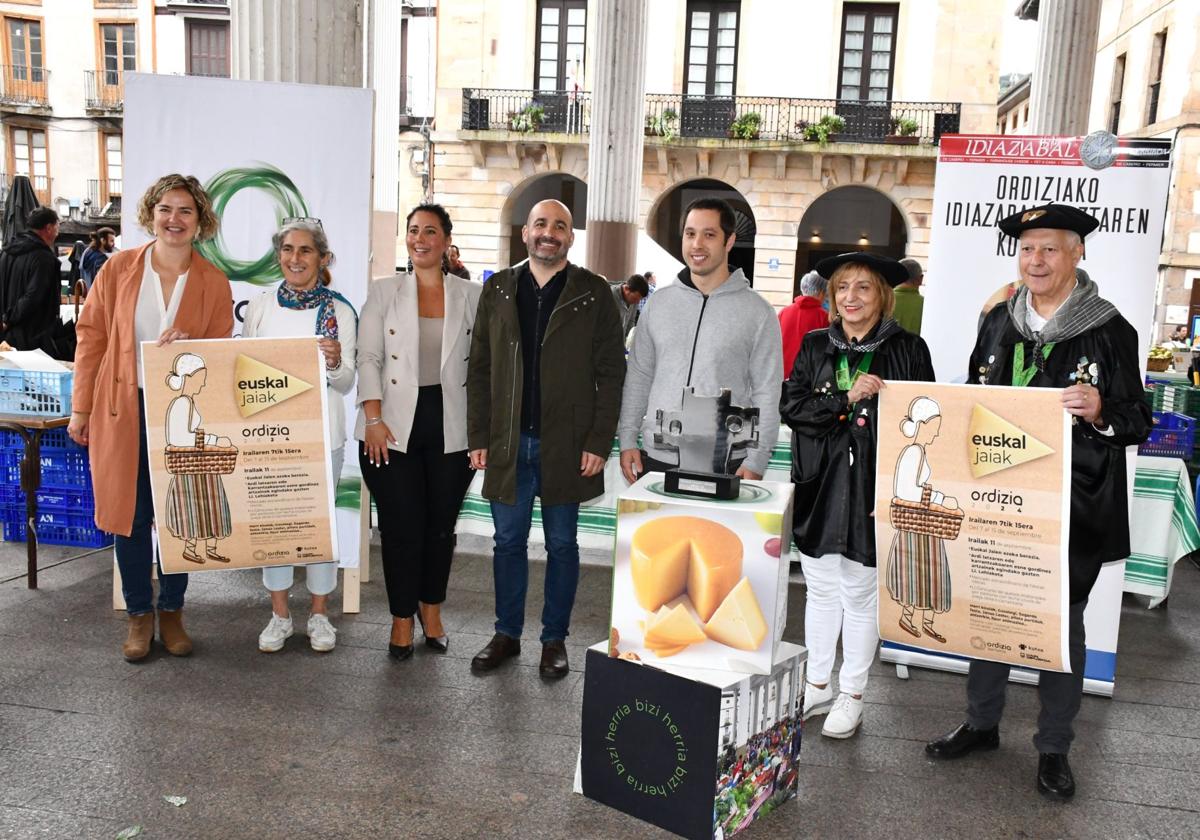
x: 1162, y: 526
x: 31, y: 427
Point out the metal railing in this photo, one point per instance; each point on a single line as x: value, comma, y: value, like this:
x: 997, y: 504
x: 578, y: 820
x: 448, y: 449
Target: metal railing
x: 104, y: 198
x: 41, y: 188
x: 104, y: 90
x: 24, y: 85
x: 672, y: 116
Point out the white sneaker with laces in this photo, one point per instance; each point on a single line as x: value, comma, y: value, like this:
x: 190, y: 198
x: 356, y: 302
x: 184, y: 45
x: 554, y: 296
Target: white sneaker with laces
x: 321, y: 634
x: 817, y: 701
x: 845, y: 717
x: 278, y: 631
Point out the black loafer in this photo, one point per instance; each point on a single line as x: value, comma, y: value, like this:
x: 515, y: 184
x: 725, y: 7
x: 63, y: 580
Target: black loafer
x: 554, y: 663
x: 1054, y: 777
x: 499, y: 649
x: 963, y: 740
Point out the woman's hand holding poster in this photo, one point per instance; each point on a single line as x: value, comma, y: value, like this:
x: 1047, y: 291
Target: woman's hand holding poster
x: 972, y: 513
x: 239, y: 453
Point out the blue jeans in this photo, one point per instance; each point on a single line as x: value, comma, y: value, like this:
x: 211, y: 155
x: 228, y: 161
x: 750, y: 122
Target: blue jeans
x: 510, y: 561
x: 135, y: 553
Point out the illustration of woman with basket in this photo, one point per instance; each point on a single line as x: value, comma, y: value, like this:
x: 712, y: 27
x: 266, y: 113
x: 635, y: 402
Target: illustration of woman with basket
x: 197, y: 507
x: 918, y: 571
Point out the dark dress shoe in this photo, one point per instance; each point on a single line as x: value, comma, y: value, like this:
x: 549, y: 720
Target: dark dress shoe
x: 438, y: 644
x: 554, y: 663
x: 400, y: 652
x: 965, y: 739
x: 1054, y: 779
x: 500, y: 648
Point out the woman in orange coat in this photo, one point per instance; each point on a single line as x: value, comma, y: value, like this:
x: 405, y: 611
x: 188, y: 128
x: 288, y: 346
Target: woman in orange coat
x: 161, y: 291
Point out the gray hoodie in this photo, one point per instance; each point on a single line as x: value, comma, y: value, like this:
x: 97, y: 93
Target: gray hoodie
x: 729, y: 340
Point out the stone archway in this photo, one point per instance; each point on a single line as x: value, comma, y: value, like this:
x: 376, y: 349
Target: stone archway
x: 849, y: 218
x: 665, y: 216
x: 564, y: 187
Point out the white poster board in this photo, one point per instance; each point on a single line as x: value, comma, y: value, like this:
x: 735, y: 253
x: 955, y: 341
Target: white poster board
x: 264, y: 151
x: 980, y: 180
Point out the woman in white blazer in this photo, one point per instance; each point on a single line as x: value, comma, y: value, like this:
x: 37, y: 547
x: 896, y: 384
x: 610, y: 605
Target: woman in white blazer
x: 414, y: 339
x: 303, y: 304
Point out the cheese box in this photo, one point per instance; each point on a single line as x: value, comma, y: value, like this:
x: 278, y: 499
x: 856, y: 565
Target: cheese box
x: 700, y: 582
x: 698, y: 752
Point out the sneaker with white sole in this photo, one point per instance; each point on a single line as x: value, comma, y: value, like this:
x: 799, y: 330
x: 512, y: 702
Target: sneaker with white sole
x: 278, y: 631
x: 845, y: 717
x: 321, y: 634
x: 817, y: 701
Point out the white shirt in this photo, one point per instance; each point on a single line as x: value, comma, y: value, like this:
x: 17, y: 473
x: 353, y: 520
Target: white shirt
x: 153, y: 316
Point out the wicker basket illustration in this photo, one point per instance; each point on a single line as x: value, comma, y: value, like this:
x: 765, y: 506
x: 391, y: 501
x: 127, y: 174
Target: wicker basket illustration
x: 201, y: 459
x: 920, y: 518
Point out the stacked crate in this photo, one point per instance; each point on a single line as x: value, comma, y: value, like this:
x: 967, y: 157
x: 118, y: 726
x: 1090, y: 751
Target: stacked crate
x: 66, y: 504
x: 1176, y: 398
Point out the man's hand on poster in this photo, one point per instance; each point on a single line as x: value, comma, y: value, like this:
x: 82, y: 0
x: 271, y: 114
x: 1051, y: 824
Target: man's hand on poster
x: 331, y: 348
x: 170, y: 335
x: 631, y: 464
x: 376, y: 441
x: 866, y: 386
x: 590, y: 465
x: 1084, y: 402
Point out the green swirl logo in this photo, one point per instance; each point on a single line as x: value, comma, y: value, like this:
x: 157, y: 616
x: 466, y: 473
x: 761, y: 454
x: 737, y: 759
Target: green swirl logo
x: 263, y: 271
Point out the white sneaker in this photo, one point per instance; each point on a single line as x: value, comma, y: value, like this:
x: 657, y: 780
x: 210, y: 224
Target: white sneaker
x: 817, y: 701
x: 277, y: 632
x: 844, y: 718
x: 321, y: 634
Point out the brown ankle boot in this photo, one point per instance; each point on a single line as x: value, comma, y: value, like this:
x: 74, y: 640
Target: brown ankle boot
x: 170, y: 631
x: 141, y: 633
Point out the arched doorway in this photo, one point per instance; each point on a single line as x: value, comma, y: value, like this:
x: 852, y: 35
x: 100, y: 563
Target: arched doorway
x: 849, y: 219
x: 562, y: 187
x: 664, y: 220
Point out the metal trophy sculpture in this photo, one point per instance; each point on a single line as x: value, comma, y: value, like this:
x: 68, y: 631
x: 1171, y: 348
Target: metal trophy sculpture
x: 706, y: 432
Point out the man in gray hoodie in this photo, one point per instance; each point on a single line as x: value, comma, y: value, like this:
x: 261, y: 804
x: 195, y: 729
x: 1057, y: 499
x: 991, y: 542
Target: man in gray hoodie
x: 708, y: 331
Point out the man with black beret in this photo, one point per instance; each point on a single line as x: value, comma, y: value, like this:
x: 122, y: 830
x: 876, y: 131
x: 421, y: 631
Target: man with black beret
x: 1057, y: 332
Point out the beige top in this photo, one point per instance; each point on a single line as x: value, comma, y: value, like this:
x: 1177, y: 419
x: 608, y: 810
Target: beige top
x: 429, y: 351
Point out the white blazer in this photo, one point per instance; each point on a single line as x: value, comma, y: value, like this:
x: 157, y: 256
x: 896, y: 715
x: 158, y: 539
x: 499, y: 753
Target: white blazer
x: 387, y: 356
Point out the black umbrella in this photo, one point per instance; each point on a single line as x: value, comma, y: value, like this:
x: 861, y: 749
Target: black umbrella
x: 18, y: 204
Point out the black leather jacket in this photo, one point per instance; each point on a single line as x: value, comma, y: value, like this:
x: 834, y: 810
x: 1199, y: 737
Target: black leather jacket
x: 833, y: 449
x: 1099, y: 510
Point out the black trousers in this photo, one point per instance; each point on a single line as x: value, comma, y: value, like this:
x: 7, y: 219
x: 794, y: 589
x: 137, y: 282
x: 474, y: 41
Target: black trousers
x: 418, y: 494
x: 1060, y: 694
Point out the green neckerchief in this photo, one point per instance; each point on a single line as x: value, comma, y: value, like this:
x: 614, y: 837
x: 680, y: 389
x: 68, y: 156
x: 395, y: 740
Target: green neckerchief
x: 844, y: 380
x: 1022, y: 375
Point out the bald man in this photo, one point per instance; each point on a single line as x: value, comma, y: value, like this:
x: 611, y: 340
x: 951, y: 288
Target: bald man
x: 543, y: 394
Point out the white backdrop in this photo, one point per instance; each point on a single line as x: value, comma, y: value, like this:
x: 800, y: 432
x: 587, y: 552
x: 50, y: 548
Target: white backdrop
x: 268, y: 150
x: 981, y: 179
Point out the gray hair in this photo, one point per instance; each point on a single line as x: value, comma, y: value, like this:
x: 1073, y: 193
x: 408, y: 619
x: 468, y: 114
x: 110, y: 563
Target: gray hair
x: 813, y: 284
x: 320, y: 240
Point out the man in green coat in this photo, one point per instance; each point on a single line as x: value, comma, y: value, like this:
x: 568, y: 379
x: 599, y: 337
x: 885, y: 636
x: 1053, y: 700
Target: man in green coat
x: 543, y: 394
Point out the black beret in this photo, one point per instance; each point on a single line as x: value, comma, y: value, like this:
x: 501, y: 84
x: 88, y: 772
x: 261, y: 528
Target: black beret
x: 1052, y: 216
x: 889, y: 269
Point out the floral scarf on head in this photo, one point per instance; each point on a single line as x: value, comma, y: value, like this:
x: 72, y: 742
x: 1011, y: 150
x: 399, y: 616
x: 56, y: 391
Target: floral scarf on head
x: 320, y: 298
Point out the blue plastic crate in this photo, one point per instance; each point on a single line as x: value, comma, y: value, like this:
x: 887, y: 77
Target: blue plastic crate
x: 90, y: 537
x: 61, y: 469
x: 39, y: 392
x: 78, y: 499
x: 1173, y: 436
x: 52, y: 440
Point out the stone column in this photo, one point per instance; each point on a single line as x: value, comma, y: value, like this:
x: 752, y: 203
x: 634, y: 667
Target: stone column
x: 1061, y: 88
x: 615, y: 144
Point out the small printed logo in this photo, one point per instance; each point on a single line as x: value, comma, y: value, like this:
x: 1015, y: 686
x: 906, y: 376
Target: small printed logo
x: 260, y: 555
x: 995, y: 444
x: 1031, y: 215
x: 1098, y: 150
x: 978, y: 643
x: 259, y: 386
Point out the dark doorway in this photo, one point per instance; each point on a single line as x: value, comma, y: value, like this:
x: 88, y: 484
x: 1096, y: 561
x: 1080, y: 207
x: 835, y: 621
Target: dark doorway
x: 848, y: 219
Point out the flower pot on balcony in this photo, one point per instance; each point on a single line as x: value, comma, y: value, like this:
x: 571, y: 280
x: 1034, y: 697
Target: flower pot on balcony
x: 902, y: 139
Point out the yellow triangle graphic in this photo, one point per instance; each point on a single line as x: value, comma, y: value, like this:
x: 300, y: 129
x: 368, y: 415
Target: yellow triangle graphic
x: 994, y: 444
x: 258, y: 386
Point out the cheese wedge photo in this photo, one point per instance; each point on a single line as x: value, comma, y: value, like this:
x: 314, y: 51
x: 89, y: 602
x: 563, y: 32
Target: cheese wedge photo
x: 676, y: 628
x: 739, y: 621
x: 663, y: 653
x: 677, y: 555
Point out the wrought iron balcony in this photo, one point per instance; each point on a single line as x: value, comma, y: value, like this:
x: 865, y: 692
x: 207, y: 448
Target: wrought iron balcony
x: 24, y: 86
x: 105, y: 198
x: 104, y: 91
x: 676, y: 116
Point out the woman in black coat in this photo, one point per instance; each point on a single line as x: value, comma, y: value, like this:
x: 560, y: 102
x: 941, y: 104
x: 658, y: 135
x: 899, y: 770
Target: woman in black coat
x: 830, y: 403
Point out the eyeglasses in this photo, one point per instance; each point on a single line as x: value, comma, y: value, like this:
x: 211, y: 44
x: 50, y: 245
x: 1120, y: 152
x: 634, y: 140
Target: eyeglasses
x: 310, y: 220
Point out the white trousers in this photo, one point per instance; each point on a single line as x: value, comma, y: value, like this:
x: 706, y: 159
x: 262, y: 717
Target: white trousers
x: 842, y: 601
x: 321, y: 578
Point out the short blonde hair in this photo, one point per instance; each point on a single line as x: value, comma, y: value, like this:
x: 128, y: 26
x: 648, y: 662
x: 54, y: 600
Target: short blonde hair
x: 846, y: 269
x: 208, y: 221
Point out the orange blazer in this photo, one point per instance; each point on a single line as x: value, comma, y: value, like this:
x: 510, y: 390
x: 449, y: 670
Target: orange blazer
x: 106, y: 384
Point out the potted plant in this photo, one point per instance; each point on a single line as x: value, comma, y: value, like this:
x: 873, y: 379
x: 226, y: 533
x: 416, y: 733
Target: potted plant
x: 823, y: 131
x: 746, y: 126
x: 663, y: 125
x: 527, y: 119
x: 904, y: 131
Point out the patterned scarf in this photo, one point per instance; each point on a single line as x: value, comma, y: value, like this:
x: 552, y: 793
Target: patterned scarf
x: 880, y: 333
x: 1082, y: 310
x: 320, y: 298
